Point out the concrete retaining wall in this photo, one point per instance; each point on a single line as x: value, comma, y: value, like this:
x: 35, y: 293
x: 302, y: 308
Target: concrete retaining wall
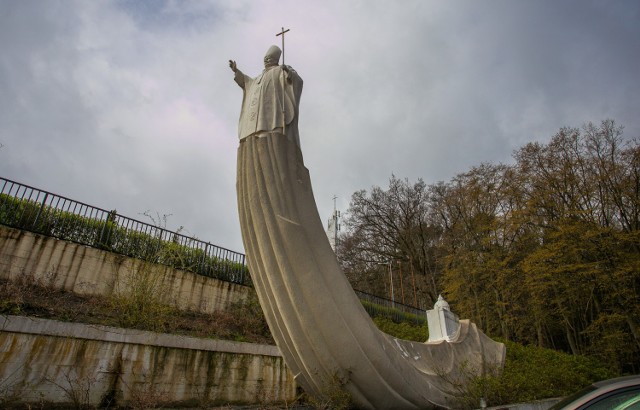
x: 58, y: 362
x: 89, y: 271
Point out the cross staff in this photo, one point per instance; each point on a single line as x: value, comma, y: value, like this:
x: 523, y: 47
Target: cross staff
x: 284, y: 79
x: 282, y: 34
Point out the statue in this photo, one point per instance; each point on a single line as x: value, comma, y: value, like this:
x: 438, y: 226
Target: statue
x: 326, y: 337
x: 271, y: 100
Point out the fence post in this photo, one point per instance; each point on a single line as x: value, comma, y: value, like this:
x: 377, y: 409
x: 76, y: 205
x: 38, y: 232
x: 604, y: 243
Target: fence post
x: 104, y: 241
x: 205, y: 257
x: 44, y: 201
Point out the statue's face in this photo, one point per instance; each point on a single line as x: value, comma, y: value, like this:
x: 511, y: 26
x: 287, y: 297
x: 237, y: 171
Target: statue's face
x: 272, y: 56
x: 270, y: 61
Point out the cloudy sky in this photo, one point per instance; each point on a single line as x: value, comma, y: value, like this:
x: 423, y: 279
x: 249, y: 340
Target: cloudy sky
x: 130, y: 104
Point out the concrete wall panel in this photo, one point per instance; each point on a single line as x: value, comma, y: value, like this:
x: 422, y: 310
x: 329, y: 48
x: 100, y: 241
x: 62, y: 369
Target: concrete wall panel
x: 89, y: 271
x: 46, y: 360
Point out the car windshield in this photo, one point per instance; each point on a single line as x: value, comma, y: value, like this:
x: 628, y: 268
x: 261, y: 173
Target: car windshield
x: 632, y: 404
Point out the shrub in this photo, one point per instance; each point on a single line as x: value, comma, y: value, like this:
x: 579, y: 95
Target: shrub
x: 394, y: 314
x: 533, y: 373
x: 403, y: 330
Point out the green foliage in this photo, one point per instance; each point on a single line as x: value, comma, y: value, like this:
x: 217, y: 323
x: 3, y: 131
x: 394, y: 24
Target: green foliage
x: 403, y: 330
x: 530, y: 373
x: 108, y: 235
x: 141, y: 298
x: 397, y: 315
x: 533, y: 373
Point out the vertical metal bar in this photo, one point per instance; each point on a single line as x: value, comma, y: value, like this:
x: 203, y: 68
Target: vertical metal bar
x: 14, y: 205
x: 126, y: 238
x: 134, y: 229
x: 91, y: 231
x: 159, y: 245
x: 69, y: 217
x: 2, y: 194
x: 209, y: 261
x: 58, y: 221
x: 203, y: 261
x: 82, y: 224
x: 19, y: 205
x: 243, y: 270
x: 55, y: 218
x: 3, y: 200
x: 26, y: 204
x: 101, y: 235
x: 44, y: 200
x: 17, y: 190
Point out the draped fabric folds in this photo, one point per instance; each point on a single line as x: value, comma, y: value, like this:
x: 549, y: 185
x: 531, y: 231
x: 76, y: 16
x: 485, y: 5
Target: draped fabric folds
x: 326, y: 337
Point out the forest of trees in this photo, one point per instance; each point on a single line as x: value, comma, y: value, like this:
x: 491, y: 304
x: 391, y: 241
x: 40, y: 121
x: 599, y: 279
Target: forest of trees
x: 544, y: 251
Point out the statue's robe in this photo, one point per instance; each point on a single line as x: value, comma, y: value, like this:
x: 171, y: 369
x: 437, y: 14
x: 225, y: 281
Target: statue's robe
x: 270, y: 101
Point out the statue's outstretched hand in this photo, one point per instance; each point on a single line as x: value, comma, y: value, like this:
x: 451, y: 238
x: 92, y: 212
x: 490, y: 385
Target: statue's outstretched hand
x: 233, y: 66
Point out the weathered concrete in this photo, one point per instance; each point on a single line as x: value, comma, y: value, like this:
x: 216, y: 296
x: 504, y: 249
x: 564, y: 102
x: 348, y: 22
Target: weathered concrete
x: 40, y: 359
x: 88, y: 271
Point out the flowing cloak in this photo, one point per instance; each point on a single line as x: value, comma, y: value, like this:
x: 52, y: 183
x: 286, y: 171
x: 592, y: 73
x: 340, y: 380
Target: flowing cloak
x: 264, y: 98
x: 326, y: 337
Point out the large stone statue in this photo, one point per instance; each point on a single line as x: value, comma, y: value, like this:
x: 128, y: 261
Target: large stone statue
x: 271, y: 100
x: 326, y: 337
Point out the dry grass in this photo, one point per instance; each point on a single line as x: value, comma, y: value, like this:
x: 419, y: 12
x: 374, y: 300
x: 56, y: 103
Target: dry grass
x: 241, y: 322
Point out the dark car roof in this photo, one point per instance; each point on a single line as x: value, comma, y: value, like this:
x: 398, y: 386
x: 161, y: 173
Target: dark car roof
x: 624, y: 380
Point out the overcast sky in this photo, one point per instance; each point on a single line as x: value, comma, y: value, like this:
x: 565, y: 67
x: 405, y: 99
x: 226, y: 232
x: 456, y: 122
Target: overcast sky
x: 130, y: 105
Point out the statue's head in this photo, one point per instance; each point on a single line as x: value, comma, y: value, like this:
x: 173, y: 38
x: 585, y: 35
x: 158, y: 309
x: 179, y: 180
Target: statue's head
x: 272, y: 56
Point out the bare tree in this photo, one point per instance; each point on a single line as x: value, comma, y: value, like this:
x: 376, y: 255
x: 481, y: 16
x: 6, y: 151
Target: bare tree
x: 393, y: 225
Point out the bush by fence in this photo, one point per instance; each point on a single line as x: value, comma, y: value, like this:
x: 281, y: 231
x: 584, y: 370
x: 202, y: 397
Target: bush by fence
x: 48, y: 214
x: 397, y: 312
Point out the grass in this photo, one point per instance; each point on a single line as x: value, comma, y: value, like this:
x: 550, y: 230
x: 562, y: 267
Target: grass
x: 240, y: 322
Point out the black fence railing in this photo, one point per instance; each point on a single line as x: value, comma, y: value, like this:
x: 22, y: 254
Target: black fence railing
x: 35, y: 210
x: 28, y: 208
x: 398, y: 312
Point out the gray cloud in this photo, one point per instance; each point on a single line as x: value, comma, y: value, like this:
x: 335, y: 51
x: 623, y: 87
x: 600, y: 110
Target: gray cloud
x: 131, y: 105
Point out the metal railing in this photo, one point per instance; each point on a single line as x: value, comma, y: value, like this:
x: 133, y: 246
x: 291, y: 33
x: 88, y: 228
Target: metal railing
x: 35, y: 210
x: 398, y: 312
x: 32, y: 209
